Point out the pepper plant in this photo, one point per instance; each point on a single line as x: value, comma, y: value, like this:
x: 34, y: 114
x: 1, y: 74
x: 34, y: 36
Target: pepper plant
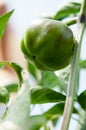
x: 52, y: 52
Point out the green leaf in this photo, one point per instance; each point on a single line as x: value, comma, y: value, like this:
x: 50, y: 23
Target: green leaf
x: 13, y: 87
x: 45, y: 95
x: 17, y: 68
x: 48, y: 79
x: 52, y: 114
x: 82, y: 99
x: 63, y: 78
x: 4, y: 95
x: 51, y: 80
x: 32, y: 69
x: 71, y: 8
x: 82, y: 64
x: 3, y: 21
x: 56, y: 111
x: 63, y: 84
x: 36, y: 122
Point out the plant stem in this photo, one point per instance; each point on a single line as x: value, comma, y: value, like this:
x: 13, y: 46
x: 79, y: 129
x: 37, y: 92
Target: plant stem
x: 74, y: 69
x: 71, y: 90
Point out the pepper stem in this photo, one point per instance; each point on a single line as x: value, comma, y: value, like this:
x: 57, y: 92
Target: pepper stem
x: 74, y: 69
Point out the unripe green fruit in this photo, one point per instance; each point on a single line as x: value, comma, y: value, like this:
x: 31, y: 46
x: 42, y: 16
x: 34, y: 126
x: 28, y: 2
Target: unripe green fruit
x: 49, y: 44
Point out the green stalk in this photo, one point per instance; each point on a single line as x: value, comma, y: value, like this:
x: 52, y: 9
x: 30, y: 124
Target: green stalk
x: 74, y: 69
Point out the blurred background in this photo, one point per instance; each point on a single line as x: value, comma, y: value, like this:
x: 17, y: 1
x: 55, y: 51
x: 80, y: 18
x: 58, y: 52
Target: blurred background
x: 25, y: 12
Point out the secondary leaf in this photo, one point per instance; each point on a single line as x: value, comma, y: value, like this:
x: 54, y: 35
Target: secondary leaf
x: 3, y: 21
x: 82, y: 99
x: 52, y: 114
x: 82, y: 64
x: 13, y: 87
x: 51, y: 80
x: 36, y: 122
x: 17, y: 68
x: 56, y: 111
x: 63, y: 78
x: 45, y: 95
x: 48, y: 79
x: 68, y: 9
x: 4, y: 95
x: 32, y: 69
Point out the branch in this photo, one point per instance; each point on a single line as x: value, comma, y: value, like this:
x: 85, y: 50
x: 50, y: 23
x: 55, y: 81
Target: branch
x: 74, y: 69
